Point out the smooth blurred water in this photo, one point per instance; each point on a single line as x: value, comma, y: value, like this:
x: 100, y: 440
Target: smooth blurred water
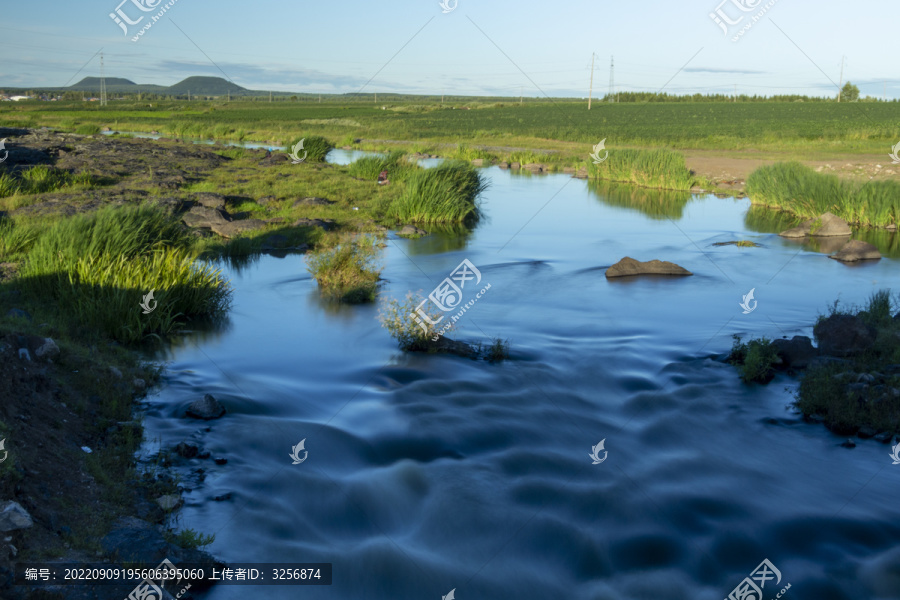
x: 428, y: 473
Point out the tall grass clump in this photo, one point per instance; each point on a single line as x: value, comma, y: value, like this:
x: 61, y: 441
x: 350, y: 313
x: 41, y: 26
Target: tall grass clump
x: 315, y: 146
x: 445, y: 194
x: 349, y: 271
x: 87, y: 129
x: 659, y: 168
x: 40, y: 180
x: 100, y: 267
x: 16, y: 239
x: 370, y: 167
x: 799, y: 190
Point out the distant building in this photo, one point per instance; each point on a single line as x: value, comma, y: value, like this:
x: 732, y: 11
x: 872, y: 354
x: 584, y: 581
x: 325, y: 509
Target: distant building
x: 17, y: 98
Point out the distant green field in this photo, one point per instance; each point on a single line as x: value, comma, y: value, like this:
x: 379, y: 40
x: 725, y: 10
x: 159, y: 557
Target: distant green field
x: 782, y: 127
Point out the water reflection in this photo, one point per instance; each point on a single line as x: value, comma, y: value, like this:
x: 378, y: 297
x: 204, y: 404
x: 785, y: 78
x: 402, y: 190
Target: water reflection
x: 656, y: 204
x: 765, y: 220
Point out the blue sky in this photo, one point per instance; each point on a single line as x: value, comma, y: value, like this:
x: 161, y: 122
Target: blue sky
x: 478, y: 48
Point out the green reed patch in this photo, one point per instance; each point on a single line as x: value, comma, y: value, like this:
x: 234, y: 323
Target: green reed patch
x: 348, y: 271
x: 445, y: 194
x: 370, y: 167
x: 799, y: 190
x: 101, y: 266
x: 316, y: 148
x: 658, y: 168
x: 42, y: 179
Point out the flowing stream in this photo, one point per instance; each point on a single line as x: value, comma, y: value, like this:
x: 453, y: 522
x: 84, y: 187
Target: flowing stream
x: 427, y: 473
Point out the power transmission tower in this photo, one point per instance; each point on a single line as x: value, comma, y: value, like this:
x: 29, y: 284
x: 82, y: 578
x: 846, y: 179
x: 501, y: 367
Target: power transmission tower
x: 591, y: 90
x: 841, y: 84
x: 612, y: 78
x: 102, y: 83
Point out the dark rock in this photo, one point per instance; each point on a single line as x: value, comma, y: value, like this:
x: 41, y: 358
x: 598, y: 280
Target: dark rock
x: 207, y: 408
x: 223, y: 497
x: 445, y: 345
x: 796, y: 352
x: 313, y: 201
x: 844, y: 335
x: 884, y: 437
x: 18, y: 313
x: 503, y: 164
x: 13, y: 517
x: 849, y: 444
x: 535, y: 167
x: 210, y: 200
x: 204, y: 455
x: 515, y: 166
x: 235, y: 228
x: 325, y: 224
x: 815, y: 418
x: 133, y: 540
x: 220, y: 460
x: 825, y: 225
x: 170, y: 502
x: 866, y: 432
x: 628, y: 267
x: 856, y: 250
x: 275, y: 158
x: 267, y: 200
x: 205, y: 218
x: 823, y: 361
x: 187, y: 450
x: 411, y: 231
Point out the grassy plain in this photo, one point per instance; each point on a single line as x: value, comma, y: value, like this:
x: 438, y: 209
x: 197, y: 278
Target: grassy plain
x: 774, y: 128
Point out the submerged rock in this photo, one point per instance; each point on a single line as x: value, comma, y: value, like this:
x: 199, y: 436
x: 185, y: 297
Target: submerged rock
x: 411, y: 231
x: 856, y: 250
x: 844, y: 335
x: 628, y: 267
x: 207, y: 408
x: 825, y: 225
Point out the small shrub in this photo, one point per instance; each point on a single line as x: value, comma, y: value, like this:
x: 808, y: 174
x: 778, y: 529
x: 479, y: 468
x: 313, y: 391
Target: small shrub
x: 347, y: 272
x: 756, y: 359
x: 190, y: 539
x: 370, y: 167
x: 399, y: 318
x: 498, y: 350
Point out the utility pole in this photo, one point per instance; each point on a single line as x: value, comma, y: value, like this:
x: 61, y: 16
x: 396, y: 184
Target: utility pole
x: 320, y: 98
x: 612, y: 79
x: 229, y: 95
x: 270, y: 95
x: 102, y: 83
x: 376, y: 97
x: 521, y: 94
x: 591, y: 89
x: 189, y: 95
x: 841, y: 84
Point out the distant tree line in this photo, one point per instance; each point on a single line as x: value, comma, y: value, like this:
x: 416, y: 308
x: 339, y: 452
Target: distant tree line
x: 849, y: 93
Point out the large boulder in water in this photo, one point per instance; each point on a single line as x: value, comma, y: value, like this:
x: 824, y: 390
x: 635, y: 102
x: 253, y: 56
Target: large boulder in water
x: 844, y: 335
x: 207, y: 408
x: 825, y: 225
x: 856, y: 250
x: 628, y: 267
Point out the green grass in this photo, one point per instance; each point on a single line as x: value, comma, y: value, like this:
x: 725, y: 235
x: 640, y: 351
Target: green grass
x: 88, y: 129
x: 316, y: 148
x: 189, y: 539
x: 42, y: 179
x: 801, y: 191
x: 818, y: 128
x: 755, y: 359
x: 659, y: 168
x: 347, y: 272
x: 99, y: 267
x: 16, y: 239
x: 370, y: 167
x: 445, y: 194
